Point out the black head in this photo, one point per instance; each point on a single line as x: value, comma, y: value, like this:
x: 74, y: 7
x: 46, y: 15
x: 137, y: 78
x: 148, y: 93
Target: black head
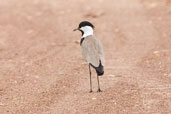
x: 85, y: 23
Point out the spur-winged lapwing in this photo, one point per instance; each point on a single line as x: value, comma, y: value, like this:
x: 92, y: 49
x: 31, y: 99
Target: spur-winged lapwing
x: 92, y: 50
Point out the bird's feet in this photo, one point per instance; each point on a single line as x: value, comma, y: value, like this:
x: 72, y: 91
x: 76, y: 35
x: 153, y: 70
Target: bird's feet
x: 99, y: 90
x: 90, y: 91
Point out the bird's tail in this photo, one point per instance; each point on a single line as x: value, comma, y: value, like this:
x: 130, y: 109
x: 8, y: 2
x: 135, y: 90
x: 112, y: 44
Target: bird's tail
x: 99, y: 69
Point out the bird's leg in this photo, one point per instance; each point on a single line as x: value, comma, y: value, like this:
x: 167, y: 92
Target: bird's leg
x: 90, y: 79
x: 99, y: 90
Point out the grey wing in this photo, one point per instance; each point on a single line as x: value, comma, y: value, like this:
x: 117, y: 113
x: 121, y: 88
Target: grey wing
x: 101, y: 52
x: 92, y: 51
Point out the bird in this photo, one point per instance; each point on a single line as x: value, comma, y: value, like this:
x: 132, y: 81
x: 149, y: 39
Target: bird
x: 91, y: 50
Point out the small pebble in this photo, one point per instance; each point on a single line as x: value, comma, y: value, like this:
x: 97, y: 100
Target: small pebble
x: 15, y: 81
x: 37, y: 77
x: 165, y: 74
x: 77, y: 42
x: 2, y: 104
x: 94, y: 98
x: 155, y: 52
x: 84, y: 63
x: 111, y: 75
x: 152, y: 5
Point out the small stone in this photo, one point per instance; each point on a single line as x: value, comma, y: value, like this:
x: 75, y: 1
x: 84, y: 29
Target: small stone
x: 155, y: 52
x: 2, y: 104
x: 115, y: 75
x: 152, y: 5
x: 84, y: 63
x: 77, y: 42
x: 15, y: 81
x: 37, y: 77
x: 165, y: 74
x: 27, y: 64
x: 111, y: 75
x: 94, y: 98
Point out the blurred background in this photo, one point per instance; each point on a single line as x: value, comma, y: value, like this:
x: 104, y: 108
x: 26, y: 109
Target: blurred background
x: 42, y: 71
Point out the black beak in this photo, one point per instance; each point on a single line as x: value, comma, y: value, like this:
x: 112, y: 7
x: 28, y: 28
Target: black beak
x: 76, y: 29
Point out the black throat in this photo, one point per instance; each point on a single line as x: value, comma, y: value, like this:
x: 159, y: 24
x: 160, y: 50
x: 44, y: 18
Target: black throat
x: 82, y: 32
x: 82, y: 39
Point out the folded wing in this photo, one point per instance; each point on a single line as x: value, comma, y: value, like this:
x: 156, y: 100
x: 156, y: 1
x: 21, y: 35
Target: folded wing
x: 92, y: 51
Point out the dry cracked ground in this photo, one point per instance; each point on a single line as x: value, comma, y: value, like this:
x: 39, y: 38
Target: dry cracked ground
x: 42, y: 71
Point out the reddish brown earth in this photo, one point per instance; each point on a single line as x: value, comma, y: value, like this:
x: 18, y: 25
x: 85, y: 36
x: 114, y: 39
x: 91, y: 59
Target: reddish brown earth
x: 42, y: 71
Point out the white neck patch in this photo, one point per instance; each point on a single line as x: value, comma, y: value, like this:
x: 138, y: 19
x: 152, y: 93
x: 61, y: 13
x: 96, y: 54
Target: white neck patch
x: 88, y: 30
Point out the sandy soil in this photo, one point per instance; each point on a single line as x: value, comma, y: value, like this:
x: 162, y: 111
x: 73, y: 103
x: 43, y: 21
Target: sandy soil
x: 42, y: 71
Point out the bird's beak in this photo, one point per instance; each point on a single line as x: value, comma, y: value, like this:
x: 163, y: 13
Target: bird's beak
x: 76, y: 29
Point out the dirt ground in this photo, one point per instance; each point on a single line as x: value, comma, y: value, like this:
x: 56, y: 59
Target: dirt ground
x: 42, y: 71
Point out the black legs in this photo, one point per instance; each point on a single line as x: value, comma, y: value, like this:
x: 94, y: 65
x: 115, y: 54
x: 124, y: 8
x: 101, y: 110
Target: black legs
x: 99, y: 90
x: 90, y: 79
